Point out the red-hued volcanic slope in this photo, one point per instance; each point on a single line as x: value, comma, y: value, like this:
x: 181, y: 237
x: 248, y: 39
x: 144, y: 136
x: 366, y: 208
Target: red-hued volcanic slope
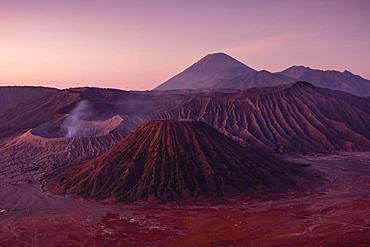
x: 169, y: 160
x: 292, y: 118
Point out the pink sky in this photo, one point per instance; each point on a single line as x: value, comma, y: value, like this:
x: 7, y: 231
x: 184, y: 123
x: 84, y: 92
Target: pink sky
x: 140, y: 44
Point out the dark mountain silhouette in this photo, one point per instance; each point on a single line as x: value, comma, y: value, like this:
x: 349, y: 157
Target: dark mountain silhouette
x: 343, y: 81
x: 205, y: 73
x: 168, y: 160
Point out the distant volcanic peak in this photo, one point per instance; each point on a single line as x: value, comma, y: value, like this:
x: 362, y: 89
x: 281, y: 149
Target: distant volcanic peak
x: 168, y: 160
x: 205, y: 73
x: 219, y: 71
x: 221, y: 58
x: 222, y: 61
x: 218, y: 54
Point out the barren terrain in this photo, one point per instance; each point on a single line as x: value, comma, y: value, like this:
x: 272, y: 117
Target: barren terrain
x: 334, y: 214
x: 59, y: 129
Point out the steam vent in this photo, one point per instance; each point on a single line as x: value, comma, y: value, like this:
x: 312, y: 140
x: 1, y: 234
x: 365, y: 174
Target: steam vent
x: 166, y: 160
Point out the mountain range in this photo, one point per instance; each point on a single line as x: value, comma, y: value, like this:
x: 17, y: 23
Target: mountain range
x: 214, y: 131
x: 220, y: 71
x: 291, y: 118
x: 296, y: 117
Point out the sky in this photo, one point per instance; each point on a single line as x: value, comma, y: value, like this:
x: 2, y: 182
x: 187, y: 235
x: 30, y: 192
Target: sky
x: 139, y: 44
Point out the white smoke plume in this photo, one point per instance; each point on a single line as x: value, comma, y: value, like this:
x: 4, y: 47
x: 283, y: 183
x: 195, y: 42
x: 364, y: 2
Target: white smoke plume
x: 73, y: 122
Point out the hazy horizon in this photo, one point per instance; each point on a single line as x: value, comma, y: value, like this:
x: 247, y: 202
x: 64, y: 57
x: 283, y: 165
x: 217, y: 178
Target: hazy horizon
x: 138, y: 45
